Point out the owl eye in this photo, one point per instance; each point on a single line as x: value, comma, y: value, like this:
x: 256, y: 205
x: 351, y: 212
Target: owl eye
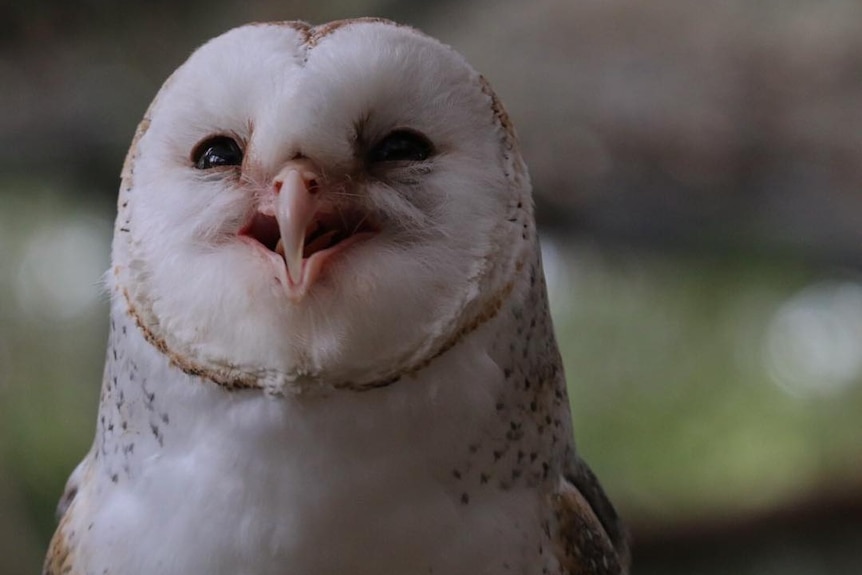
x: 217, y: 151
x: 401, y: 146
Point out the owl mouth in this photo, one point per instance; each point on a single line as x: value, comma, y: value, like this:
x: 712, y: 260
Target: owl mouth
x: 328, y: 232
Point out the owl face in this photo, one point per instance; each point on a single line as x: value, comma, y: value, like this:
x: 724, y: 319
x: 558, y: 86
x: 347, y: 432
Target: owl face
x: 318, y: 206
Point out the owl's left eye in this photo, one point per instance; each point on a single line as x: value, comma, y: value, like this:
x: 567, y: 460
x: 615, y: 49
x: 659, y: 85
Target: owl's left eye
x: 217, y: 151
x: 402, y: 145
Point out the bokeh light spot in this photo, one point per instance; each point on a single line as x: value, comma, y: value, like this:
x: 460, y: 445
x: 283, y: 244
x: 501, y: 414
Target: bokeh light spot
x: 813, y: 344
x: 60, y: 268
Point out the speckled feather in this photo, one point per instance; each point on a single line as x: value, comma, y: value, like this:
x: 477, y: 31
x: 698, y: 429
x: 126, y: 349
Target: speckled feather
x: 458, y: 459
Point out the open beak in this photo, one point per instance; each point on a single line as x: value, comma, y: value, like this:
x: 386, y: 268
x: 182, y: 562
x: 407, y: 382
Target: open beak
x: 299, y: 221
x: 295, y: 208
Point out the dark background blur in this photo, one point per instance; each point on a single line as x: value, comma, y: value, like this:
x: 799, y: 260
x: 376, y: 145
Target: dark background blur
x: 698, y: 173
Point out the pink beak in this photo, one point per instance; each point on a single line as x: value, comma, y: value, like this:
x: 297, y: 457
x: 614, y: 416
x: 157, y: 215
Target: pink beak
x: 295, y: 206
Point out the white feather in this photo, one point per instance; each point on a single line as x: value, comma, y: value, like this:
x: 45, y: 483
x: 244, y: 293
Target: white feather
x: 450, y: 466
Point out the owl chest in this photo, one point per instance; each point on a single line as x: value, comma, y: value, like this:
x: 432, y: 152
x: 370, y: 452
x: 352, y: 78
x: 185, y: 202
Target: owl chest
x: 309, y: 502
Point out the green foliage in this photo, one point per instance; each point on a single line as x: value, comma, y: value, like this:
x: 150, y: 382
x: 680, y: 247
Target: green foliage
x: 670, y: 383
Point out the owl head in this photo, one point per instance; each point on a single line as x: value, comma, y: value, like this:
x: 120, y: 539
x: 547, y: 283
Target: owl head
x: 319, y: 207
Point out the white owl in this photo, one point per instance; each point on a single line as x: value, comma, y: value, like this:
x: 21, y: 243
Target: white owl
x: 330, y: 348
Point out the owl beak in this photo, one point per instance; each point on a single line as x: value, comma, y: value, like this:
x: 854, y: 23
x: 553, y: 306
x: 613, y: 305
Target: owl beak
x: 295, y: 206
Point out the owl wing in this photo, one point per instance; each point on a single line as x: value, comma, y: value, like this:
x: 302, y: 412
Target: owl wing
x: 590, y: 538
x: 60, y: 558
x: 72, y: 486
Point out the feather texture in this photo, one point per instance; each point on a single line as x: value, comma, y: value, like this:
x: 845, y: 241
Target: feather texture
x: 405, y: 411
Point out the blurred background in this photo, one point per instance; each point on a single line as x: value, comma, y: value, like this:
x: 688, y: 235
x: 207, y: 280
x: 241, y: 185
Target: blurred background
x: 698, y: 175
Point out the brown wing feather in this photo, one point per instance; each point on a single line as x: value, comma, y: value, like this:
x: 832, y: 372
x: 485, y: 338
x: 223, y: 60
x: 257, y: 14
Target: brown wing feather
x: 590, y: 539
x: 59, y: 560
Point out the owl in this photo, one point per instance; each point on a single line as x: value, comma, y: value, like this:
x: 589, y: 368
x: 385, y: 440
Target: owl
x: 330, y: 349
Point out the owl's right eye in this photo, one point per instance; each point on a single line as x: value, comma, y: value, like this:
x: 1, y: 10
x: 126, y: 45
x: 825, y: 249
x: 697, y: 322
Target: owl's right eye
x: 217, y: 151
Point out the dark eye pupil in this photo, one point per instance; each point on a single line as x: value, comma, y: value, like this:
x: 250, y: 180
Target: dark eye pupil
x: 401, y: 146
x: 217, y: 151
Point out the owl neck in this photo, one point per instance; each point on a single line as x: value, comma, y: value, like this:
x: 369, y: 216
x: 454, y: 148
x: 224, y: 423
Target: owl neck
x: 497, y: 396
x: 420, y: 465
